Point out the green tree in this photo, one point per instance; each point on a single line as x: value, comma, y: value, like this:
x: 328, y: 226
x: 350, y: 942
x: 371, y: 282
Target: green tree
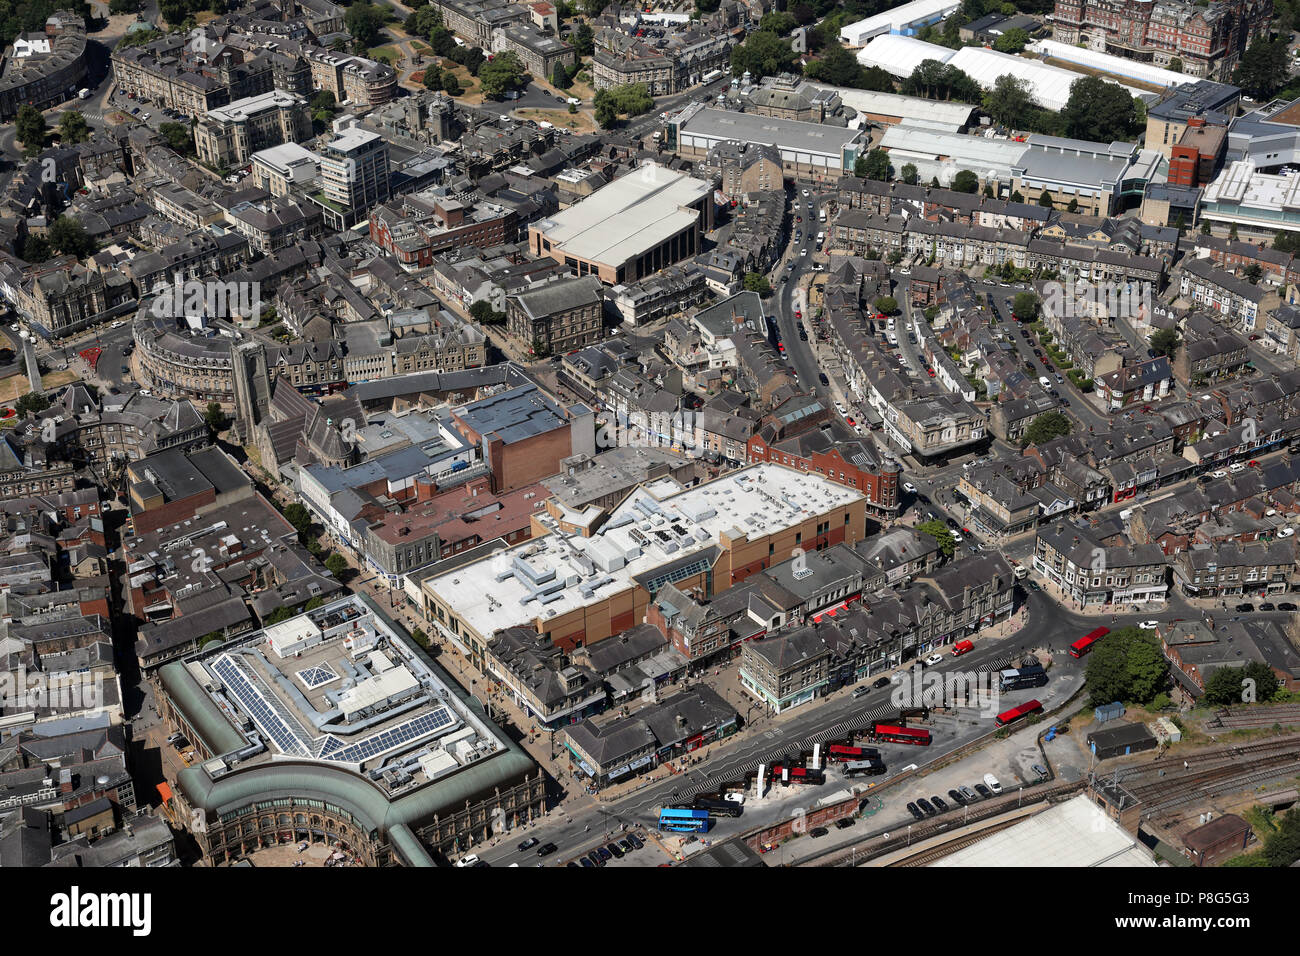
x: 1073, y: 205
x: 757, y: 282
x: 560, y: 77
x: 1252, y: 273
x: 886, y: 304
x: 215, y: 417
x: 875, y: 165
x: 73, y: 128
x: 939, y: 531
x: 30, y: 127
x: 297, y: 515
x: 1045, y: 427
x: 909, y: 174
x: 1282, y: 848
x: 1045, y: 199
x: 450, y: 85
x: 1099, y: 111
x: 313, y: 604
x: 1127, y: 665
x: 778, y: 22
x: 31, y: 402
x: 178, y: 136
x: 278, y: 615
x: 584, y: 41
x: 432, y: 77
x: 1025, y: 306
x: 1017, y: 196
x: 503, y: 74
x: 483, y: 313
x: 1264, y: 67
x: 1175, y: 65
x: 364, y: 21
x: 68, y: 237
x: 965, y: 182
x: 763, y: 54
x: 336, y: 564
x: 1013, y: 41
x: 1164, y: 342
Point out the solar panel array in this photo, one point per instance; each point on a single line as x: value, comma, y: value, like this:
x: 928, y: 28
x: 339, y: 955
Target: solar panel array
x: 386, y: 740
x: 269, y: 719
x: 294, y: 739
x: 313, y: 677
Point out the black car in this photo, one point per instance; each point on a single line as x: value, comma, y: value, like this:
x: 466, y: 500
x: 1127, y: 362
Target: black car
x: 625, y: 846
x: 957, y: 797
x: 1286, y: 606
x: 546, y: 849
x: 635, y: 840
x: 1268, y: 606
x: 880, y: 682
x: 950, y: 523
x: 821, y: 377
x: 927, y: 808
x: 604, y: 853
x: 586, y: 862
x: 983, y: 791
x: 816, y: 832
x: 572, y: 863
x: 843, y: 823
x: 595, y: 859
x: 915, y: 811
x: 528, y: 844
x: 1245, y: 607
x: 939, y: 804
x: 616, y: 850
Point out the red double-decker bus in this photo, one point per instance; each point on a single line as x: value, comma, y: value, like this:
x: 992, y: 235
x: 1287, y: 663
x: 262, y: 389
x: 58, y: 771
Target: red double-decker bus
x: 798, y: 774
x: 839, y: 753
x: 893, y: 734
x: 1015, y: 713
x: 1084, y: 644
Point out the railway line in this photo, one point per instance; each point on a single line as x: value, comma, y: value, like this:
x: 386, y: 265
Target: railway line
x: 926, y: 857
x: 1254, y: 718
x: 1161, y: 787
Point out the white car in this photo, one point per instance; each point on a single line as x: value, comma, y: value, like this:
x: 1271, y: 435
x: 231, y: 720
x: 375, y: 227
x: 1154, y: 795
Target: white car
x: 991, y: 782
x: 734, y: 797
x: 904, y: 272
x: 909, y: 487
x: 1148, y: 625
x: 839, y: 407
x: 805, y: 194
x: 957, y: 538
x: 14, y: 327
x: 471, y: 860
x: 933, y: 659
x: 1285, y: 532
x: 1236, y: 468
x: 804, y: 253
x: 1219, y: 474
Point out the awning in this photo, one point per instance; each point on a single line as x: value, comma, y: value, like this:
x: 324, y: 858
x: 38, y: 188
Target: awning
x: 641, y: 762
x: 164, y: 791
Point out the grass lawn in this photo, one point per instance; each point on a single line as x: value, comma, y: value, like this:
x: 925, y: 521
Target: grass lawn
x: 392, y: 52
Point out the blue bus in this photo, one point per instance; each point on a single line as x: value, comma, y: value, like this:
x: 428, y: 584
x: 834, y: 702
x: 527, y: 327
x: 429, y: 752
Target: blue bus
x: 684, y: 819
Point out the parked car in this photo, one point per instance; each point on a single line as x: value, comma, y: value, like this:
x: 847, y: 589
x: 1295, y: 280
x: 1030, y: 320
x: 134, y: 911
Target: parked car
x: 970, y: 795
x: 880, y: 682
x: 595, y: 858
x: 1148, y: 625
x: 816, y: 832
x: 1286, y: 606
x: 1039, y: 769
x: 1267, y: 606
x: 927, y: 807
x: 468, y: 860
x: 843, y: 823
x: 1245, y: 608
x: 939, y: 804
x: 991, y: 782
x: 957, y: 798
x: 915, y: 811
x: 933, y: 659
x: 635, y: 840
x: 909, y: 487
x: 616, y: 850
x: 863, y: 692
x: 586, y: 862
x: 983, y: 791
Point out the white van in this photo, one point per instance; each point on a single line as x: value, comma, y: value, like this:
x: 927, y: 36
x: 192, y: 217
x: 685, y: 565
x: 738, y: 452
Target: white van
x: 821, y: 215
x: 821, y: 237
x: 1044, y: 381
x: 991, y: 782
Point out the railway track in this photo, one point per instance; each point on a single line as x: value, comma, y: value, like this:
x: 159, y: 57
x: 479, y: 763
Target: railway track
x: 1165, y: 786
x: 1254, y: 718
x: 927, y: 857
x: 1169, y: 770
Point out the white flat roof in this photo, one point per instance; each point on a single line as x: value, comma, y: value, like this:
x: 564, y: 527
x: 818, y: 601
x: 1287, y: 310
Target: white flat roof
x: 1074, y: 833
x: 901, y: 55
x: 240, y: 110
x: 1109, y: 63
x: 280, y: 158
x: 1242, y: 184
x: 634, y: 213
x: 642, y: 534
x: 899, y: 18
x: 907, y: 107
